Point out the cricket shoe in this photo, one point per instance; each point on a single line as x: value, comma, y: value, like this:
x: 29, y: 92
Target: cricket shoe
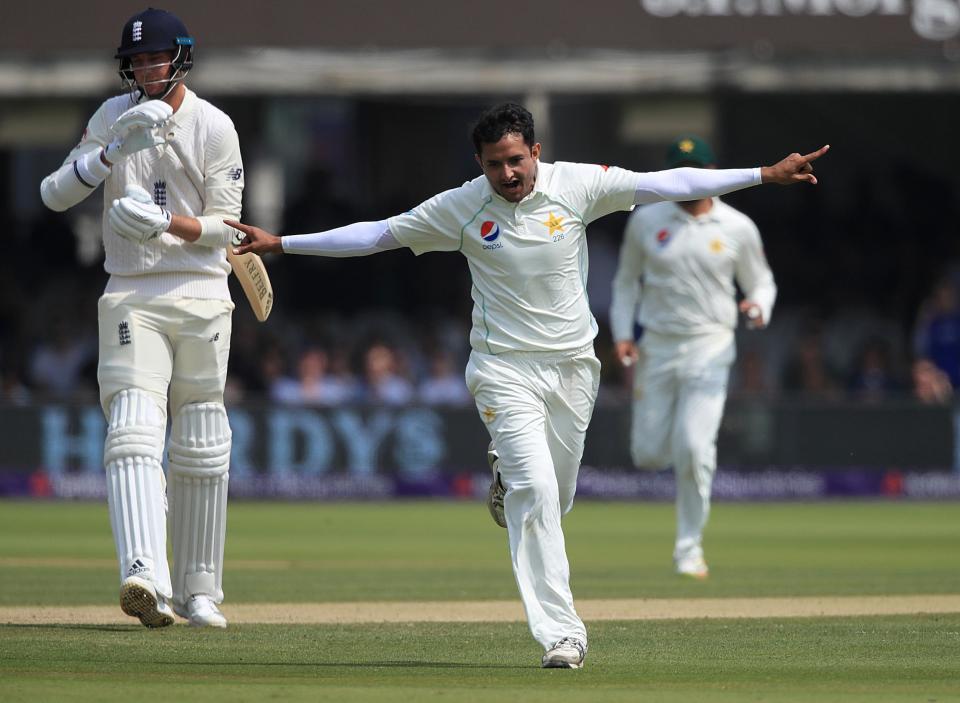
x: 201, y: 611
x: 568, y: 653
x: 139, y: 599
x: 693, y: 567
x: 497, y: 491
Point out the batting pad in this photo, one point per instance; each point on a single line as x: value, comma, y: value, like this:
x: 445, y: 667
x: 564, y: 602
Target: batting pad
x: 136, y: 490
x: 199, y: 462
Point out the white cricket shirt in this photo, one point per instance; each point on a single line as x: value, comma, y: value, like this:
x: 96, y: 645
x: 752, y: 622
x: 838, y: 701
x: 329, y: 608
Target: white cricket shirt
x: 528, y: 260
x: 197, y: 172
x: 681, y: 269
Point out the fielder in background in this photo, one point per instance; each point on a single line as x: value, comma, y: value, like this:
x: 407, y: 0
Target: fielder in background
x: 171, y: 170
x: 532, y: 372
x: 678, y: 263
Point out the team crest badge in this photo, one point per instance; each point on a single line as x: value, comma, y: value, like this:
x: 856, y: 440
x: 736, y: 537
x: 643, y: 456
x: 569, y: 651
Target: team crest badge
x: 489, y: 231
x: 160, y: 193
x: 554, y: 224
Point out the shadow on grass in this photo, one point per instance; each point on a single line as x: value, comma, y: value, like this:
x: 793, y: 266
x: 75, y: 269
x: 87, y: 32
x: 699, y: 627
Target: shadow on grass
x: 394, y: 664
x: 74, y: 626
x: 386, y: 664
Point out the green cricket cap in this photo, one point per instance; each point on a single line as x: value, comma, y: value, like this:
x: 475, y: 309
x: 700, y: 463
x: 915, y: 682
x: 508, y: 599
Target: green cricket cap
x: 689, y: 151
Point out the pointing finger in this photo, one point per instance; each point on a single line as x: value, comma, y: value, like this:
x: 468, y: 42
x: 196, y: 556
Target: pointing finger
x: 246, y: 229
x: 814, y: 155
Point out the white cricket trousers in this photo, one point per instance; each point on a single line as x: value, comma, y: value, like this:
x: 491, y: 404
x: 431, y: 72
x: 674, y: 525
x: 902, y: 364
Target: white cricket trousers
x: 680, y: 388
x: 157, y: 344
x: 537, y: 406
x: 150, y: 346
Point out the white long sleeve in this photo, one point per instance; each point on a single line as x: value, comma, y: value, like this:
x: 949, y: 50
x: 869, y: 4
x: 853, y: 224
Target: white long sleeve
x: 692, y: 183
x: 625, y: 298
x: 358, y: 239
x: 753, y: 273
x: 82, y: 171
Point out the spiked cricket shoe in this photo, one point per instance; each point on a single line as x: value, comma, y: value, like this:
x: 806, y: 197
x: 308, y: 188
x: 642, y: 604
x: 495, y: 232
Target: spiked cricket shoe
x: 201, y: 611
x: 693, y: 567
x: 139, y: 599
x: 568, y: 653
x: 497, y: 491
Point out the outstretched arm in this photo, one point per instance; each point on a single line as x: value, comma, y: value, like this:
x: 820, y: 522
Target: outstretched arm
x: 358, y: 239
x: 696, y: 183
x: 692, y: 183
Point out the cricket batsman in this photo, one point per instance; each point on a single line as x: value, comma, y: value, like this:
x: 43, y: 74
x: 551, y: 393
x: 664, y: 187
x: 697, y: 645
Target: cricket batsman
x: 521, y: 225
x: 171, y: 172
x: 678, y: 264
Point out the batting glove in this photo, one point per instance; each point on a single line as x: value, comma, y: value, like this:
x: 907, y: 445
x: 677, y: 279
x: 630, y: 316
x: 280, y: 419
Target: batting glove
x: 137, y: 218
x: 136, y: 129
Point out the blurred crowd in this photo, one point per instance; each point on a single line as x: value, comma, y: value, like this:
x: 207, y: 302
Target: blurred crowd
x: 372, y: 359
x: 855, y: 356
x: 393, y: 329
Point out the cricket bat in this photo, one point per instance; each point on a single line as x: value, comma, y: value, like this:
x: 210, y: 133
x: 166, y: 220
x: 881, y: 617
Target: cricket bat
x: 248, y: 268
x: 253, y: 278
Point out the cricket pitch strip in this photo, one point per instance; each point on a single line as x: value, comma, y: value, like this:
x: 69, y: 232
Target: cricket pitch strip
x: 511, y: 611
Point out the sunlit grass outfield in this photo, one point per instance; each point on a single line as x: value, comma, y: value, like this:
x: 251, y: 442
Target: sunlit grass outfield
x: 871, y: 659
x: 62, y: 553
x: 282, y: 552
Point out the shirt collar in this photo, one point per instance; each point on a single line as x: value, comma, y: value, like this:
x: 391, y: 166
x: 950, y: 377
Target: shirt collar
x: 713, y: 215
x: 187, y: 106
x: 543, y: 175
x: 539, y: 186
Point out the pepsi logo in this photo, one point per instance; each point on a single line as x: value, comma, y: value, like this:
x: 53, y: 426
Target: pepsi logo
x: 663, y: 236
x: 489, y: 231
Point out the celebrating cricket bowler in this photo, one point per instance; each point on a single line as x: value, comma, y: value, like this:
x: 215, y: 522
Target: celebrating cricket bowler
x: 171, y: 172
x: 678, y: 263
x: 532, y: 370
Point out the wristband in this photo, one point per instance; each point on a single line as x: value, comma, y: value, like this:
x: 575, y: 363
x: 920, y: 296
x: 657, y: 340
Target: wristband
x: 90, y: 170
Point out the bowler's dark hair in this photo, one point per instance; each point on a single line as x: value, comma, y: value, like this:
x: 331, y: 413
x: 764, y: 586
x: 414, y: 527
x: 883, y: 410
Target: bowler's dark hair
x: 500, y: 120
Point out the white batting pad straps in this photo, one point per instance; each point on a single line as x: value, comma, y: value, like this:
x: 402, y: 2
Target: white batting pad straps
x: 200, y: 440
x: 199, y: 463
x: 137, y: 427
x: 136, y: 489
